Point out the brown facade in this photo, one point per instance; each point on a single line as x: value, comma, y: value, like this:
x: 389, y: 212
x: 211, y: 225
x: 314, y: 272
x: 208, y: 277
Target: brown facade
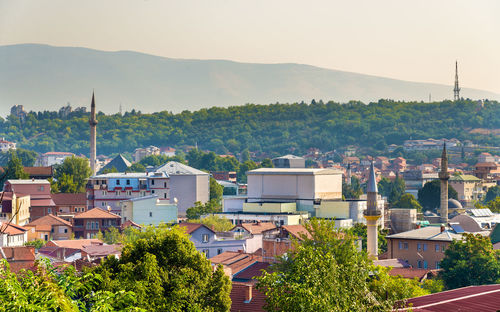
x: 421, y: 254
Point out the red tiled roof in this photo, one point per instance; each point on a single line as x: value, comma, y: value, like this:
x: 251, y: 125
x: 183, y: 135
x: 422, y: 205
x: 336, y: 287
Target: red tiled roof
x: 102, y: 250
x: 191, y: 227
x: 39, y: 171
x: 128, y: 223
x: 12, y: 229
x: 483, y: 298
x: 62, y: 199
x: 48, y: 220
x: 258, y: 228
x: 74, y: 243
x: 410, y: 273
x: 96, y: 213
x: 238, y: 297
x: 297, y: 230
x: 42, y: 202
x: 252, y: 271
x: 21, y: 253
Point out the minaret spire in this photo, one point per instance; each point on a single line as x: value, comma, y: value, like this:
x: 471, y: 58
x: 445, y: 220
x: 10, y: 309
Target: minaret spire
x: 93, y: 134
x: 444, y: 175
x: 456, y: 90
x: 372, y: 214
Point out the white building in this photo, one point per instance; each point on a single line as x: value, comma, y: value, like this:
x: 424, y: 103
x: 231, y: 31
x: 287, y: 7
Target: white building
x: 5, y: 145
x: 12, y: 235
x: 52, y: 158
x: 148, y: 210
x: 141, y: 153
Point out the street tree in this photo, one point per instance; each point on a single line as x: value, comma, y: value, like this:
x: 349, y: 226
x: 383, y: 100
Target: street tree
x: 429, y: 195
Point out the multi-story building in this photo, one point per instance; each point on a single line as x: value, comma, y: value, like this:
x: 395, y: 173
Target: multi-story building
x: 468, y: 187
x: 415, y: 180
x: 289, y: 161
x: 69, y: 204
x: 41, y: 203
x: 15, y: 208
x: 148, y: 210
x: 89, y: 223
x: 52, y: 158
x: 422, y: 248
x: 5, y: 145
x: 486, y: 170
x: 49, y: 227
x: 141, y: 153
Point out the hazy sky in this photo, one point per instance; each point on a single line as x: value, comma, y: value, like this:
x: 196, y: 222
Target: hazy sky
x: 416, y: 40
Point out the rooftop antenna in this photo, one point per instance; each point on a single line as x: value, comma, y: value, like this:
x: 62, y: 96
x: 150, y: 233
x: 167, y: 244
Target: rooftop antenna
x: 120, y: 108
x: 430, y: 98
x: 456, y: 90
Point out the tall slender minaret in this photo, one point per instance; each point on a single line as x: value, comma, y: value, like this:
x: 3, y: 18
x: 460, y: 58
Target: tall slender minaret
x: 444, y: 175
x: 348, y: 174
x: 372, y: 214
x: 456, y: 90
x: 93, y: 125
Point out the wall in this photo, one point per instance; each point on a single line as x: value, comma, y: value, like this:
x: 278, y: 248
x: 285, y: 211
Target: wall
x: 413, y: 255
x: 333, y: 209
x: 328, y: 186
x: 269, y: 207
x: 149, y: 211
x: 189, y: 189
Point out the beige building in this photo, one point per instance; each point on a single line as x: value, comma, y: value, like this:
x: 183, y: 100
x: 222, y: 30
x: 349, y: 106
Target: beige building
x: 48, y: 228
x: 15, y: 208
x: 468, y: 187
x: 422, y: 248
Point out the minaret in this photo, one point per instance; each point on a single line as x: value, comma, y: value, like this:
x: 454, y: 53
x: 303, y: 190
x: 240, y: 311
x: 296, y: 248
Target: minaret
x: 444, y: 175
x: 456, y: 90
x: 372, y: 214
x: 93, y: 124
x: 348, y: 174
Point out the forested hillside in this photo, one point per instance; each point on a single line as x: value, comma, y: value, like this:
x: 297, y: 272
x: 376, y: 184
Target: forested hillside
x: 275, y: 129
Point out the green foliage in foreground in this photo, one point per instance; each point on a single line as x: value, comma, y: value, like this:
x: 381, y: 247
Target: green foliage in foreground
x: 472, y: 261
x: 37, y: 243
x: 328, y: 273
x: 200, y: 209
x: 275, y: 129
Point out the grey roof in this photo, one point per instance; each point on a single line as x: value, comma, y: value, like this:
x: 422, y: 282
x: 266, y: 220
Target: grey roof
x: 28, y: 181
x: 289, y: 156
x: 119, y: 175
x: 432, y: 233
x: 176, y: 168
x: 371, y: 187
x: 301, y: 171
x: 119, y: 162
x: 485, y: 212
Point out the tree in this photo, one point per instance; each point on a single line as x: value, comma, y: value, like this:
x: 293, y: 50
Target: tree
x: 326, y: 272
x: 27, y: 157
x: 492, y: 194
x: 494, y: 205
x: 244, y: 167
x: 14, y: 171
x: 166, y: 273
x: 384, y: 187
x: 429, y: 196
x: 471, y: 261
x: 408, y: 201
x: 215, y: 222
x: 200, y: 209
x: 109, y: 170
x: 37, y: 243
x: 216, y: 190
x: 75, y: 170
x: 136, y: 167
x: 359, y: 230
x: 398, y: 188
x: 112, y: 236
x: 352, y: 191
x: 267, y: 163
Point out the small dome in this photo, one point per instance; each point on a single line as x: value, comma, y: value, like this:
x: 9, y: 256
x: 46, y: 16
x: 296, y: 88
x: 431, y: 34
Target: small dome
x: 454, y: 204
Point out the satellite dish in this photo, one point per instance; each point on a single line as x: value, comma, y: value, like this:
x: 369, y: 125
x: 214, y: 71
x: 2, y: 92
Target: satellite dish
x: 176, y: 200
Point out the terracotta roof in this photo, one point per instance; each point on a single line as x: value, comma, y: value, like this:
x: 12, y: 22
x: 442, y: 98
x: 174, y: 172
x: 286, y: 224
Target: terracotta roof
x: 483, y: 298
x: 74, y: 243
x: 96, y: 213
x: 258, y: 228
x: 128, y: 223
x: 486, y: 164
x: 102, y: 250
x: 409, y: 273
x: 191, y: 227
x: 12, y: 229
x: 58, y: 252
x: 42, y: 202
x: 238, y: 298
x: 236, y: 261
x: 21, y: 253
x: 49, y: 220
x: 296, y: 230
x: 251, y: 271
x: 39, y: 171
x: 61, y: 199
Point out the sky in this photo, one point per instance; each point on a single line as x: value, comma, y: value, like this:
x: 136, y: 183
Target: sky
x: 408, y: 40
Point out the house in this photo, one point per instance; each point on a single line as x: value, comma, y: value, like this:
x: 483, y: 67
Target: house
x: 252, y: 232
x: 468, y: 187
x: 485, y: 158
x: 399, y: 164
x: 12, y: 235
x: 52, y: 158
x: 41, y: 203
x: 49, y: 227
x: 88, y: 224
x: 206, y: 241
x: 15, y: 208
x: 278, y: 241
x: 422, y: 248
x: 74, y: 243
x: 167, y: 151
x: 240, y: 266
x: 187, y: 185
x: 148, y: 210
x: 5, y: 145
x: 69, y: 204
x: 289, y: 161
x: 141, y: 153
x: 22, y: 257
x: 94, y: 252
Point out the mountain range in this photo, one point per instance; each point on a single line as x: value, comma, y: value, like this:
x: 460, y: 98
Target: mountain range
x: 43, y: 77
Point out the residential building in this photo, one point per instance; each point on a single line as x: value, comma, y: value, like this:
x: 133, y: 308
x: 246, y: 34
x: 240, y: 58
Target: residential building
x: 422, y: 248
x: 95, y: 252
x: 148, y: 210
x: 21, y: 257
x: 416, y: 179
x: 12, y: 235
x: 278, y: 241
x: 429, y: 144
x: 5, y: 145
x: 88, y: 224
x: 141, y: 153
x: 48, y: 228
x: 41, y: 203
x: 52, y: 158
x: 106, y: 191
x: 486, y: 170
x: 66, y: 250
x: 289, y: 161
x: 485, y: 158
x: 399, y: 164
x: 205, y: 240
x: 252, y: 232
x: 69, y: 204
x: 468, y: 187
x: 75, y: 243
x: 15, y: 208
x: 224, y: 175
x: 187, y: 185
x: 167, y: 151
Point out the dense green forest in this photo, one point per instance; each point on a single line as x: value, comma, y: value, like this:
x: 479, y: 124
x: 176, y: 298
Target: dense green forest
x: 274, y: 129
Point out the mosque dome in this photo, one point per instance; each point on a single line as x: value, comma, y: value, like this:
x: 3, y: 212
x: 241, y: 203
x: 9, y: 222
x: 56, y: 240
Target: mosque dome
x: 454, y: 204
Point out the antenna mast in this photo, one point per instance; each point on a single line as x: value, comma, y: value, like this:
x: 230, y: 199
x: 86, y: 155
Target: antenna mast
x: 456, y: 90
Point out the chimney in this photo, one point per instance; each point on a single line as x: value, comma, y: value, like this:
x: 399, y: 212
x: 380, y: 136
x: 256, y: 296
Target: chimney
x: 442, y: 228
x: 248, y: 293
x: 418, y: 226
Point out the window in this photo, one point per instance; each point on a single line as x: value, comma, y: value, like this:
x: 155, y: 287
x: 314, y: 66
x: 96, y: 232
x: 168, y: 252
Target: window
x: 150, y: 214
x: 164, y: 195
x: 65, y: 230
x: 104, y: 192
x: 152, y: 182
x: 419, y: 264
x: 118, y: 193
x: 49, y: 210
x: 205, y: 251
x: 129, y: 193
x: 117, y: 182
x: 128, y: 182
x: 52, y: 230
x: 425, y: 264
x: 437, y: 248
x: 443, y: 247
x: 403, y: 245
x: 89, y: 224
x: 152, y: 191
x: 165, y: 184
x: 143, y: 193
x: 419, y: 247
x: 219, y: 251
x: 41, y: 188
x: 204, y: 238
x: 425, y: 246
x: 103, y: 204
x: 437, y: 265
